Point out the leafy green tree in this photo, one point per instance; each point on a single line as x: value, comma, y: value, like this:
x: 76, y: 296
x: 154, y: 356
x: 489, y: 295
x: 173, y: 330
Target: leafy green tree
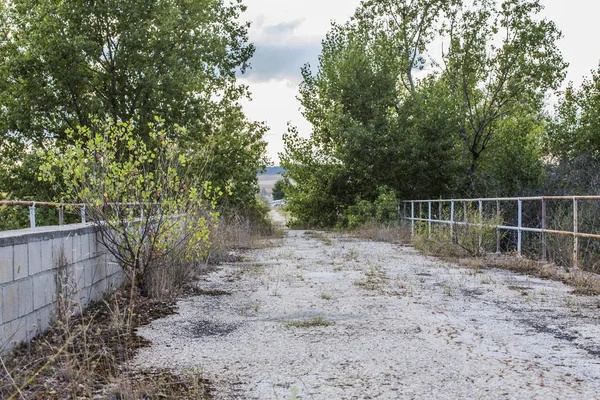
x: 65, y: 63
x: 501, y: 61
x: 148, y: 210
x: 572, y: 140
x: 376, y: 125
x: 574, y: 130
x: 279, y: 189
x: 365, y: 133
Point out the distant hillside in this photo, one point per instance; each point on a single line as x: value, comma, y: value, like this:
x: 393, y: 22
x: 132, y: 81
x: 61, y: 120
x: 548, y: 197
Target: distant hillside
x: 273, y: 171
x: 267, y: 180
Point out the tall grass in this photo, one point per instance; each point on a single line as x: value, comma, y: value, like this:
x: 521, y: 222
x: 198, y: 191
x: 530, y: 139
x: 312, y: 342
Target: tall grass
x: 86, y: 353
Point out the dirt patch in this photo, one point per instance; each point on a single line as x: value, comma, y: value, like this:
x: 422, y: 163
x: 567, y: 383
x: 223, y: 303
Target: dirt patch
x: 195, y: 291
x: 518, y: 288
x: 199, y: 329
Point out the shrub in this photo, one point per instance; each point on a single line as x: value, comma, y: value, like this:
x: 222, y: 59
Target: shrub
x: 150, y: 213
x: 383, y: 209
x: 473, y: 236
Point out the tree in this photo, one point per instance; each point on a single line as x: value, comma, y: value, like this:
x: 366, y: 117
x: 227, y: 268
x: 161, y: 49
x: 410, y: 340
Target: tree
x: 150, y: 214
x: 65, y: 63
x: 365, y: 131
x: 573, y: 141
x: 279, y: 189
x: 501, y: 61
x: 573, y: 132
x: 405, y: 27
x: 376, y: 125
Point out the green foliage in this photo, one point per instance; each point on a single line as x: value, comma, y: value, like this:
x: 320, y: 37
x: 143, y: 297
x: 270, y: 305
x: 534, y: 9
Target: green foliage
x: 573, y: 132
x: 501, y: 62
x: 375, y: 124
x: 279, y: 189
x: 383, y: 210
x: 65, y: 63
x: 475, y: 236
x: 144, y: 204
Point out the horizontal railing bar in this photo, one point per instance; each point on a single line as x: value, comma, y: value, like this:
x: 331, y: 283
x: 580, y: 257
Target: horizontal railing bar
x: 58, y: 205
x: 536, y: 198
x: 512, y: 228
x: 37, y: 203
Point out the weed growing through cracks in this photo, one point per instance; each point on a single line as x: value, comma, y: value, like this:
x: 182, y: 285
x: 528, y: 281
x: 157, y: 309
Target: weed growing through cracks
x: 374, y: 278
x: 320, y: 236
x: 309, y: 322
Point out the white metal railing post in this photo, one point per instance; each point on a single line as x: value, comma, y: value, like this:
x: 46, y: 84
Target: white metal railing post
x: 61, y: 214
x: 412, y: 219
x: 575, y: 231
x: 520, y: 225
x: 452, y: 220
x: 498, y: 235
x: 469, y: 220
x: 544, y: 227
x: 32, y: 215
x: 429, y: 221
x: 83, y: 214
x: 480, y: 226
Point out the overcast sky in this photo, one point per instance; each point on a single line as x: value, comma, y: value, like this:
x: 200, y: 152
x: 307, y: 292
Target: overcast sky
x: 287, y: 34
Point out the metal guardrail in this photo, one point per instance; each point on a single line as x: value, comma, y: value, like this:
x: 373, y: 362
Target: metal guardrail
x: 519, y: 228
x: 277, y: 203
x: 33, y: 204
x: 61, y: 208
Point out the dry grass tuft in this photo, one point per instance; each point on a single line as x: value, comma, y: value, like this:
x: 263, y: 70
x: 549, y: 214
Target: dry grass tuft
x: 319, y: 236
x: 389, y: 233
x: 584, y: 283
x: 86, y: 356
x: 309, y: 323
x: 240, y: 233
x: 374, y: 279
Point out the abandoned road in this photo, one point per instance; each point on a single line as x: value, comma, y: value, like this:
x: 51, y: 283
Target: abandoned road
x: 328, y: 316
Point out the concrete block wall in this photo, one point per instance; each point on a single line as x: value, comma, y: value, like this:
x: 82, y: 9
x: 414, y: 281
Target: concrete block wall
x: 38, y: 265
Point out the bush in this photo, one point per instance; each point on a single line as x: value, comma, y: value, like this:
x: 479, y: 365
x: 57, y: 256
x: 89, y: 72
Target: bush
x: 151, y: 214
x: 383, y: 210
x: 475, y: 235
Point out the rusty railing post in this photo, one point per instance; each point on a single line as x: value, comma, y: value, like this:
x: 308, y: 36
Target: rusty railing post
x: 412, y: 219
x: 480, y: 226
x: 61, y: 214
x: 452, y: 220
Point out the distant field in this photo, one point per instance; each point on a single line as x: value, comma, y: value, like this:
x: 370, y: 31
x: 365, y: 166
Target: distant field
x: 267, y: 182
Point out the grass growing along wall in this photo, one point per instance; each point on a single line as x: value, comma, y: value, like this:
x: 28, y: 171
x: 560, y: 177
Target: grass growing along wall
x: 86, y: 353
